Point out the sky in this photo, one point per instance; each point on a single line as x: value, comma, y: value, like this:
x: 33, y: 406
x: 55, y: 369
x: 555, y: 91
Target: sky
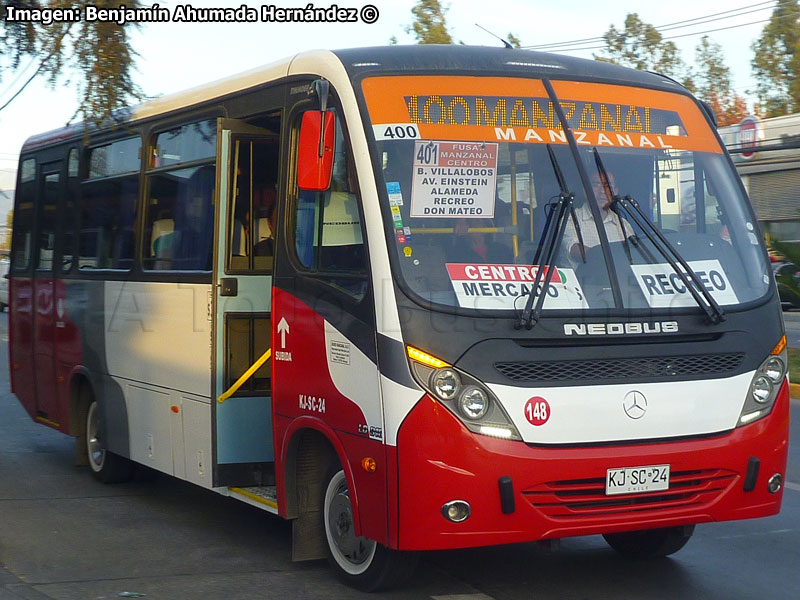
x: 176, y: 56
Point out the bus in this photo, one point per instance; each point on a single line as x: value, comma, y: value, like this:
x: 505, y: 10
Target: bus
x: 410, y: 298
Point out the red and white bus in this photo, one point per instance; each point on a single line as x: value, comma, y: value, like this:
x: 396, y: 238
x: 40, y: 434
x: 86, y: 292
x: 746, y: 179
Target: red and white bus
x: 412, y: 299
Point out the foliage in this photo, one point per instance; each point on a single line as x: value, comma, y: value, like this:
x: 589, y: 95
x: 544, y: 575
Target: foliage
x: 788, y: 285
x: 776, y: 61
x: 713, y: 80
x: 98, y: 51
x: 429, y: 26
x: 794, y: 364
x: 641, y: 46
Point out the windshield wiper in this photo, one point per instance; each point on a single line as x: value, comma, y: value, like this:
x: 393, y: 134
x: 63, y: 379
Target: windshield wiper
x: 552, y: 235
x: 698, y: 291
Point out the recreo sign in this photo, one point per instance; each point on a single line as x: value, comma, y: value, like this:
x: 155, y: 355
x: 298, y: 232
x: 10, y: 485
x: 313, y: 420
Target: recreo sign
x: 454, y: 179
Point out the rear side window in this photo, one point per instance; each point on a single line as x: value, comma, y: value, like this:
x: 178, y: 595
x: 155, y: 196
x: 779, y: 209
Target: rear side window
x: 22, y: 238
x: 179, y: 212
x: 108, y: 206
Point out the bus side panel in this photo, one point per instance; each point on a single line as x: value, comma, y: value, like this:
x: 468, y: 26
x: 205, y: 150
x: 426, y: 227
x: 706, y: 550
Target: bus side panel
x: 68, y: 352
x: 318, y: 372
x: 146, y: 347
x: 23, y: 382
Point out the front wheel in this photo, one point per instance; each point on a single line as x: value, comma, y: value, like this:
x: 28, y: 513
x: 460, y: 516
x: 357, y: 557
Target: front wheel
x: 358, y: 561
x: 650, y: 543
x: 106, y: 466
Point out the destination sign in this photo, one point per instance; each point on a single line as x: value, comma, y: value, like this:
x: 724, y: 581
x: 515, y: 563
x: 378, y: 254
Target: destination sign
x: 495, y: 111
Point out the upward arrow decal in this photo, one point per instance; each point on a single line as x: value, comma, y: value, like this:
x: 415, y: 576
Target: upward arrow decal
x: 283, y: 329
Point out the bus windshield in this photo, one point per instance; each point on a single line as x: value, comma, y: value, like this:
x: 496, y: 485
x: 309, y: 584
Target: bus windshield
x: 467, y: 175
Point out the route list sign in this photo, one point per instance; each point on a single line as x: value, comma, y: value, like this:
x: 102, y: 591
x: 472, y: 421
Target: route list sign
x: 454, y: 179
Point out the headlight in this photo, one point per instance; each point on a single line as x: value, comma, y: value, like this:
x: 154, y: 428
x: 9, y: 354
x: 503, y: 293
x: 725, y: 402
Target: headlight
x: 761, y: 389
x: 445, y: 383
x: 465, y: 396
x: 774, y: 369
x: 764, y: 387
x: 473, y: 403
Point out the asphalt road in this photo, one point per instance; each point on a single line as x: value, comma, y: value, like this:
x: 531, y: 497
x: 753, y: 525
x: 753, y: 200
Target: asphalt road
x: 64, y: 536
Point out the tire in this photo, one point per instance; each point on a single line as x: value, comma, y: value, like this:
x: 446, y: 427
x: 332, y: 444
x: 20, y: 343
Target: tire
x: 358, y: 561
x: 105, y: 466
x: 650, y: 543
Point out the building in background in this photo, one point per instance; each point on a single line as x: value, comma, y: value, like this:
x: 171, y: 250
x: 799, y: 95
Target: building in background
x: 766, y: 153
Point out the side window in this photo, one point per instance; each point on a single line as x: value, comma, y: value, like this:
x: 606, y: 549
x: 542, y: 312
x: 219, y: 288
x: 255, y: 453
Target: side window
x: 179, y: 213
x: 254, y: 180
x: 68, y: 223
x: 108, y: 205
x: 49, y: 192
x: 22, y: 237
x: 327, y: 225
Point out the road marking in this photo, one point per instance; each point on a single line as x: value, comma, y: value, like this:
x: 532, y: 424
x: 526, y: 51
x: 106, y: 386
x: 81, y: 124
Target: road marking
x: 745, y: 535
x: 463, y: 597
x: 793, y: 486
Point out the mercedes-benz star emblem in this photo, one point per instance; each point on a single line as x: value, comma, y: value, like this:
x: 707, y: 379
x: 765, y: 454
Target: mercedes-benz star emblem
x: 635, y: 404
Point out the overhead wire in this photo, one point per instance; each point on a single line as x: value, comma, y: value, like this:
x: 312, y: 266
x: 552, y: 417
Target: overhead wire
x: 669, y: 26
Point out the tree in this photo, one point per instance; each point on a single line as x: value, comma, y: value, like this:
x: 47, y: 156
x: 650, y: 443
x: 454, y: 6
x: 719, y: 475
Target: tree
x: 429, y: 25
x: 776, y: 61
x: 98, y: 51
x: 641, y: 46
x: 713, y: 80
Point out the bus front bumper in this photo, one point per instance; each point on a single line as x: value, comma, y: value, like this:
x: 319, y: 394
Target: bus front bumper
x: 560, y: 491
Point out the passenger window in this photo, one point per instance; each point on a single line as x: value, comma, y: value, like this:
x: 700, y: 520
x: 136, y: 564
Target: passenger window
x: 327, y: 225
x: 108, y: 206
x: 179, y: 216
x: 49, y: 193
x: 254, y: 180
x: 68, y: 222
x: 22, y: 241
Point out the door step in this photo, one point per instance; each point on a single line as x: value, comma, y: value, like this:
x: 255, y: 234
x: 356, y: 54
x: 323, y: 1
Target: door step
x: 263, y: 497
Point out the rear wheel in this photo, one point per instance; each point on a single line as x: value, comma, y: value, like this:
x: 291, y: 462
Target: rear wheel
x: 106, y: 466
x: 358, y: 561
x: 650, y: 543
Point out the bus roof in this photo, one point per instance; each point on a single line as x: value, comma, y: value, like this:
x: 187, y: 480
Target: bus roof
x: 427, y: 58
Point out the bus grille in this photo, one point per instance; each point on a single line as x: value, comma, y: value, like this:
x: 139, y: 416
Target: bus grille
x: 622, y: 368
x: 586, y: 497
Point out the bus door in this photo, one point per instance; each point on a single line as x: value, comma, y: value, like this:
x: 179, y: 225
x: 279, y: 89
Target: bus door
x: 49, y: 190
x: 247, y: 185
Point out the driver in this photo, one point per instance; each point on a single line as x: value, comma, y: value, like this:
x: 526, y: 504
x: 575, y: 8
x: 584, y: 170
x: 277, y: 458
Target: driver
x: 617, y: 228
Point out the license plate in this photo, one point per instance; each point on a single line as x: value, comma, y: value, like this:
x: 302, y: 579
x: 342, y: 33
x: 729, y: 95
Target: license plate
x: 634, y: 480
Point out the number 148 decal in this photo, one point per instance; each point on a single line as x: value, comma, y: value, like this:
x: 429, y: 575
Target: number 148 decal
x: 537, y: 411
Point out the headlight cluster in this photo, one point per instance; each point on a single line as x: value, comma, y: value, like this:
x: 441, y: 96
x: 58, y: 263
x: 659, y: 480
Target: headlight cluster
x: 764, y: 388
x: 466, y: 397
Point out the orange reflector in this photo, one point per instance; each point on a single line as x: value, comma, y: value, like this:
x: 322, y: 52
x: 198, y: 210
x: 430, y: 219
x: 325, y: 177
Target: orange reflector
x: 175, y: 409
x: 425, y: 358
x: 369, y: 465
x: 780, y: 346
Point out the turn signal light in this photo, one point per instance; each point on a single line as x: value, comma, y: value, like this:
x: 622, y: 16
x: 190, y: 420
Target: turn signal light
x: 369, y: 465
x: 780, y: 346
x: 425, y: 358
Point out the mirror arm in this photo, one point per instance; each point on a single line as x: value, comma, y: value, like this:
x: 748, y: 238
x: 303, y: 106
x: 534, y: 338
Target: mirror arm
x: 321, y: 87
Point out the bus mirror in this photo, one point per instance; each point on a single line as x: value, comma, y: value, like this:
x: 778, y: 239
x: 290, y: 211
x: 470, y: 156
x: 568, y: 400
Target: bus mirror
x: 315, y: 151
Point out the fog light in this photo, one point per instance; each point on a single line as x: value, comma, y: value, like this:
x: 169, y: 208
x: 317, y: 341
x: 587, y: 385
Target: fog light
x: 456, y: 511
x: 775, y: 483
